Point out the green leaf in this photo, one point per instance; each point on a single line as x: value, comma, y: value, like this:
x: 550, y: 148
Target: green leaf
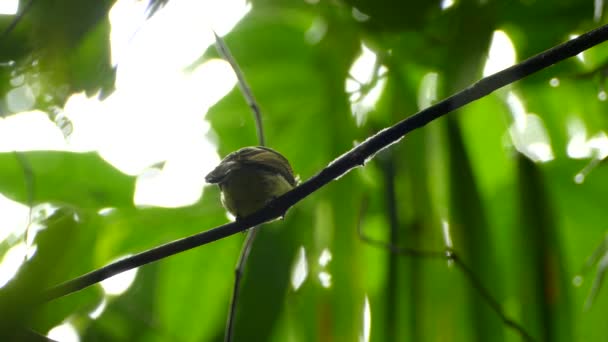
x: 82, y: 180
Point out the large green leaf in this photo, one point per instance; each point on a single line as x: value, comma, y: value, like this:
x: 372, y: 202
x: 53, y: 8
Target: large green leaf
x: 82, y: 180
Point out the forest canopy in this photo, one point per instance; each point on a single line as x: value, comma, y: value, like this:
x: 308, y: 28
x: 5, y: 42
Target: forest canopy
x: 114, y: 111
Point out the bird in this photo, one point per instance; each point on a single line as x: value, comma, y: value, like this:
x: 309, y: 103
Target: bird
x: 251, y: 177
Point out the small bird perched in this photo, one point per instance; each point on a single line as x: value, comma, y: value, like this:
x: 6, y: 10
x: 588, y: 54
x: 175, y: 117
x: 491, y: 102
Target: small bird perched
x: 250, y: 177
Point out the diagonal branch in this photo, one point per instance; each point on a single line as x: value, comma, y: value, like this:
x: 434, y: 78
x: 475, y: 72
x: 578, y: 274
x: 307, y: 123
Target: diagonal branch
x: 343, y: 164
x: 450, y: 255
x: 224, y: 51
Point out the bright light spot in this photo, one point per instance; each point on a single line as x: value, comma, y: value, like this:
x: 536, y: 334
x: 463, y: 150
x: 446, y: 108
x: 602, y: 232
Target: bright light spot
x: 528, y: 131
x: 76, y: 217
x: 362, y: 69
x: 11, y: 262
x: 577, y: 281
x: 598, y: 9
x: 147, y: 119
x: 174, y: 112
x: 229, y: 216
x: 445, y: 4
x: 300, y: 270
x: 427, y: 93
x: 64, y: 333
x: 29, y: 131
x: 31, y: 251
x: 367, y: 321
x: 325, y: 257
x: 15, y: 216
x: 42, y: 211
x: 577, y: 144
x: 126, y: 17
x: 580, y: 147
x: 32, y: 231
x: 96, y: 313
x: 518, y: 111
x: 119, y: 283
x: 501, y: 54
x: 359, y: 16
x: 554, y: 82
x: 325, y: 279
x: 9, y: 7
x: 316, y: 31
x: 531, y: 139
x: 541, y: 150
x: 179, y: 183
x: 175, y: 36
x: 580, y: 56
x: 447, y: 237
x: 352, y: 86
x: 362, y: 107
x: 366, y: 84
x: 579, y: 178
x: 599, y: 143
x: 601, y: 95
x: 20, y: 99
x: 105, y: 211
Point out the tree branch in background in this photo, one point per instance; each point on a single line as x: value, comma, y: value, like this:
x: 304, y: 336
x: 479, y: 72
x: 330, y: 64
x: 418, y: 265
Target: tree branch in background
x: 224, y: 51
x: 599, y: 259
x: 238, y: 276
x: 450, y: 255
x: 390, y: 207
x: 343, y: 164
x: 28, y: 179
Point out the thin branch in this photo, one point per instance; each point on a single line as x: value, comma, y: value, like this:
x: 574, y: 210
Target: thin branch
x: 450, y: 255
x: 238, y: 276
x: 28, y: 179
x: 388, y: 170
x: 343, y: 164
x: 599, y: 257
x: 224, y: 51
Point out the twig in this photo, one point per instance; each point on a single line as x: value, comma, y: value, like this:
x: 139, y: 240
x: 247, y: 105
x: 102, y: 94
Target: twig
x: 28, y: 179
x: 224, y: 51
x: 450, y: 255
x: 343, y: 164
x: 238, y: 276
x: 599, y: 257
x: 388, y: 168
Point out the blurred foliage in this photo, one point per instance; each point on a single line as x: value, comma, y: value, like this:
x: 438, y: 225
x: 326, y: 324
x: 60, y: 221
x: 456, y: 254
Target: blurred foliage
x: 60, y: 47
x: 525, y: 228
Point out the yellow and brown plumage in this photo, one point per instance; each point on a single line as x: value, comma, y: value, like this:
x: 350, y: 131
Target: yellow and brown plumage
x: 250, y: 177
